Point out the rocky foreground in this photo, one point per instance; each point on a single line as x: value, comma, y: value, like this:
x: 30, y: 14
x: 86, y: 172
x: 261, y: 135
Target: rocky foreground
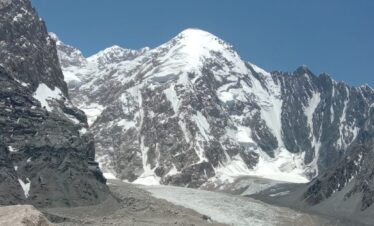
x: 22, y: 215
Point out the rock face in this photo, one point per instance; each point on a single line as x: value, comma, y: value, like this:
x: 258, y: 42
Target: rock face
x: 46, y: 155
x: 192, y: 111
x: 22, y: 216
x: 348, y: 188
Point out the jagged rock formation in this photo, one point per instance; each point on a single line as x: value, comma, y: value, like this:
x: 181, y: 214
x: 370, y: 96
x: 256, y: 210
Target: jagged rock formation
x: 347, y: 189
x: 46, y: 155
x: 192, y: 111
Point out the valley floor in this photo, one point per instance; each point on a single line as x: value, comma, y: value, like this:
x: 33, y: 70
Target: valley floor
x: 146, y: 205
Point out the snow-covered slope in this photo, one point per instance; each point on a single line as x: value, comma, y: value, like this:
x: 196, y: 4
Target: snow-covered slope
x: 191, y: 111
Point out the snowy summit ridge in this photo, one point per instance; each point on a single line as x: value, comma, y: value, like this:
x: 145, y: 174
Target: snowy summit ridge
x: 191, y: 111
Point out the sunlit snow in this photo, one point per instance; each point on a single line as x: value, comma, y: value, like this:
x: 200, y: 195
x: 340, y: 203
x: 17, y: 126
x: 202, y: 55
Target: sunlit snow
x: 25, y: 186
x: 44, y: 94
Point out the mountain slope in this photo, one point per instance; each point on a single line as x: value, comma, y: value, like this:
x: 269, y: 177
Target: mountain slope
x: 347, y: 189
x: 191, y: 111
x: 46, y: 156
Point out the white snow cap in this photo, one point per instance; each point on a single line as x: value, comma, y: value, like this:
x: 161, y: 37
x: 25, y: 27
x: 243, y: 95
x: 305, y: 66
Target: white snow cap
x: 194, y: 45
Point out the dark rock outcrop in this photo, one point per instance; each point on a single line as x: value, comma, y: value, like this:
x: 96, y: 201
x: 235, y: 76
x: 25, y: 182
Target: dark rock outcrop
x: 46, y: 155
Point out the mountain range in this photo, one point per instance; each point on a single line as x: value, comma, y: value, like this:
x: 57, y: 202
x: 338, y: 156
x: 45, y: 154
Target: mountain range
x: 191, y: 111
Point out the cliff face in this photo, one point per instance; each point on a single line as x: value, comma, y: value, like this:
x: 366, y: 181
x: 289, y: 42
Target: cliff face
x: 347, y: 189
x: 46, y: 155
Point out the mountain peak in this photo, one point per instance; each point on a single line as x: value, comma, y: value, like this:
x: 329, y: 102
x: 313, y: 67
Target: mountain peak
x: 192, y: 46
x: 195, y: 32
x: 116, y: 54
x: 200, y: 38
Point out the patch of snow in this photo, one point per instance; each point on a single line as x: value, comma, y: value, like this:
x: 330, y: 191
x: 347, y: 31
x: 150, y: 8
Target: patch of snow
x: 280, y: 194
x: 310, y: 109
x: 92, y: 111
x: 316, y: 144
x: 18, y: 17
x: 148, y: 180
x: 172, y: 96
x: 71, y: 75
x: 254, y: 188
x: 203, y: 125
x: 182, y: 125
x: 82, y: 131
x: 11, y: 149
x: 110, y: 176
x: 244, y: 135
x: 234, y: 168
x: 341, y: 143
x: 72, y: 118
x: 25, y: 186
x: 225, y: 96
x: 125, y: 124
x: 286, y: 167
x: 173, y: 171
x: 44, y: 94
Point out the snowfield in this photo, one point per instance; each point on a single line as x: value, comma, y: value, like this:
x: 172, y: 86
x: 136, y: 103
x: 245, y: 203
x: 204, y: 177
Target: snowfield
x: 232, y: 210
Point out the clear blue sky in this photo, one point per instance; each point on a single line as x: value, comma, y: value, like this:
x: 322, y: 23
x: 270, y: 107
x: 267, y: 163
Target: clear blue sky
x: 332, y: 36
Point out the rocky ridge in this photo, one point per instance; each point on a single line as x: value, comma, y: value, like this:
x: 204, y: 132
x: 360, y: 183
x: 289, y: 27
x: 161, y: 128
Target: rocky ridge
x: 47, y: 155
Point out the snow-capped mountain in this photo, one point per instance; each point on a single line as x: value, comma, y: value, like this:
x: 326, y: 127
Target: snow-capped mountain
x: 191, y: 111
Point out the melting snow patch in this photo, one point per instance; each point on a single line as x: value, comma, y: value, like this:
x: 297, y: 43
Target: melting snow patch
x: 44, y: 94
x: 25, y: 186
